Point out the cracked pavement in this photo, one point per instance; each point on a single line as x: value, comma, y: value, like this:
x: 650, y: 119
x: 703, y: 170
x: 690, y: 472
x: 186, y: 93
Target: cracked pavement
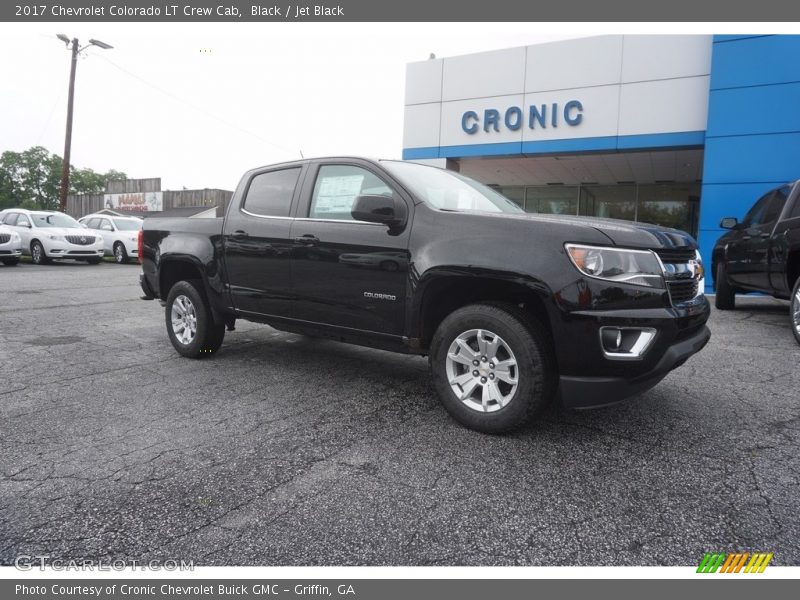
x: 284, y: 450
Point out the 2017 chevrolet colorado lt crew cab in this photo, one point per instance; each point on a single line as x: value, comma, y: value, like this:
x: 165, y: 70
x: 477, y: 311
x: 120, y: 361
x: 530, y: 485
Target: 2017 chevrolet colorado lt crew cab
x: 762, y: 253
x: 511, y: 308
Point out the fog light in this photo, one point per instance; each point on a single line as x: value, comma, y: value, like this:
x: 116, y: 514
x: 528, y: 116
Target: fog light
x: 611, y: 338
x: 626, y: 343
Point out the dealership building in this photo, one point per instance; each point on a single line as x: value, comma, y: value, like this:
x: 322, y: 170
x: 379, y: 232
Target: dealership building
x: 678, y: 130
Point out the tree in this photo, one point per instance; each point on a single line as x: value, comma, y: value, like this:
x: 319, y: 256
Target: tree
x: 31, y: 179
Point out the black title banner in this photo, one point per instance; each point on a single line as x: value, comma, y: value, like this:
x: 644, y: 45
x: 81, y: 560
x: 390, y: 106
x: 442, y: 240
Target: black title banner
x: 405, y: 10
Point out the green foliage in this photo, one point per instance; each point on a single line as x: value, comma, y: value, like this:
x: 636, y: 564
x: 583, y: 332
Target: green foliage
x: 31, y: 179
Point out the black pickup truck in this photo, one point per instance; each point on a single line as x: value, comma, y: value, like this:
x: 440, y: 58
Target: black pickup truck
x: 513, y: 309
x: 762, y: 253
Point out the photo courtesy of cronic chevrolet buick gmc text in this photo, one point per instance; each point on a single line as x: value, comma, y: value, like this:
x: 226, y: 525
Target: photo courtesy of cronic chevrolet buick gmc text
x: 762, y: 253
x: 513, y: 309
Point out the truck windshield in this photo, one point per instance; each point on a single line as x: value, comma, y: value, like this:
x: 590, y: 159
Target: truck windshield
x: 447, y: 190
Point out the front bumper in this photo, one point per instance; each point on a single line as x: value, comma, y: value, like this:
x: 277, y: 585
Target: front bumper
x: 59, y: 249
x: 592, y: 392
x: 6, y: 252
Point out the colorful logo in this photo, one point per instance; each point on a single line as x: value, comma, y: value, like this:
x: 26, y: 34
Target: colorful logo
x: 734, y: 562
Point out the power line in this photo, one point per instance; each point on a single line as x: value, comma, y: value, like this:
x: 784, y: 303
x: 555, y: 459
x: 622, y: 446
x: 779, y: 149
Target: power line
x: 191, y: 104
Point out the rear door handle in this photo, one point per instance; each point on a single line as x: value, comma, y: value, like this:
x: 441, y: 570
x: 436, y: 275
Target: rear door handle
x: 764, y: 236
x: 307, y: 239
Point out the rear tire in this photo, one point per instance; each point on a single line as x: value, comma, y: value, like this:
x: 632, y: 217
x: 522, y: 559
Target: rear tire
x: 516, y: 370
x: 120, y: 254
x: 726, y: 295
x: 794, y: 310
x: 10, y: 262
x: 190, y: 326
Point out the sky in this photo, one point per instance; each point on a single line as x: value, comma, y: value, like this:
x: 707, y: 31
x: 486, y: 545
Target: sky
x: 198, y: 104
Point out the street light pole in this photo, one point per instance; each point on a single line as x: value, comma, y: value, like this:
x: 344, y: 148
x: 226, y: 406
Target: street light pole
x: 64, y: 190
x: 76, y: 49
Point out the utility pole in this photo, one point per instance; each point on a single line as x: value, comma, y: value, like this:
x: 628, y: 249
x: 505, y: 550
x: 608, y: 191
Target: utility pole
x: 68, y: 136
x: 76, y: 49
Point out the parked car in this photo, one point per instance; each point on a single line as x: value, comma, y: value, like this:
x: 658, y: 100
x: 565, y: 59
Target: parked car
x: 10, y: 246
x: 762, y: 252
x: 49, y: 234
x: 120, y: 234
x: 511, y: 308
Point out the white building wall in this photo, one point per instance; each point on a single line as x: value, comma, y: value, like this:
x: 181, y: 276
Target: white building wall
x: 627, y: 85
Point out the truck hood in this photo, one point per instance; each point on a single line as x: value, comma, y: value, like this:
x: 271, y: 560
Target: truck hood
x: 620, y: 233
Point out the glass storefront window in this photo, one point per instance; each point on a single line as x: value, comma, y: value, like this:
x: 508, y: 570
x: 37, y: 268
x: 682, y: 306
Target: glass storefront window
x: 674, y: 205
x: 554, y: 200
x: 670, y: 205
x: 609, y: 201
x: 515, y: 194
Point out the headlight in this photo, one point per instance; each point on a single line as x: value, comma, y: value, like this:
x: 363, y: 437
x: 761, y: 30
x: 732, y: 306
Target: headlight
x: 15, y: 236
x: 133, y: 239
x: 634, y: 267
x: 58, y: 238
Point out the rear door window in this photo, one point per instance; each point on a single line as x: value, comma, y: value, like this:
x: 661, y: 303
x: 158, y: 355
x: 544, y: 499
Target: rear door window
x: 270, y: 194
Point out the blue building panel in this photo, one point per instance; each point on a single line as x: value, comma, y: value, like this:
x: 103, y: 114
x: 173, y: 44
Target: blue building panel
x: 753, y: 133
x: 752, y: 158
x: 753, y: 110
x: 752, y: 61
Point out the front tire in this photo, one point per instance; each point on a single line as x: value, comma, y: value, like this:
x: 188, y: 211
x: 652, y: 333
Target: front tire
x: 725, y: 298
x: 794, y: 310
x: 120, y: 254
x: 493, y: 366
x: 190, y: 326
x: 38, y: 255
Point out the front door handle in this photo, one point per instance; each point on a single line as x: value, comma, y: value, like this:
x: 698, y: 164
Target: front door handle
x: 307, y: 239
x: 239, y: 234
x: 765, y: 236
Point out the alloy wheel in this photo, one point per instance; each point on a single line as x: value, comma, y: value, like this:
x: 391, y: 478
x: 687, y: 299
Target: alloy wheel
x: 184, y: 320
x: 796, y: 311
x: 482, y: 370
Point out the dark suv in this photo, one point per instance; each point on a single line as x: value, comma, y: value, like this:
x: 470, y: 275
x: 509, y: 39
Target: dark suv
x: 762, y: 252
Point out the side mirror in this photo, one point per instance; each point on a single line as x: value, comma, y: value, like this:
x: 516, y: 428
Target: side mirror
x: 387, y: 210
x: 729, y: 223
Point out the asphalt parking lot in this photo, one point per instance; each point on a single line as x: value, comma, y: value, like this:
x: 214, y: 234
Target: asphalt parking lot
x: 283, y: 450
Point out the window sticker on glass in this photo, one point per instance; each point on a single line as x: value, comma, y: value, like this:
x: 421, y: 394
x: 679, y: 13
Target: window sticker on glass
x: 336, y: 194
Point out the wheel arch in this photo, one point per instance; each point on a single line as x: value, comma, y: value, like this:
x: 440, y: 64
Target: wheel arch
x: 173, y: 269
x: 447, y: 290
x: 792, y: 268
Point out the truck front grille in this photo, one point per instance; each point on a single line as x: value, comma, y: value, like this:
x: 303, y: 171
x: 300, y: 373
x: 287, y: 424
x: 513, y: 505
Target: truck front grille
x: 80, y: 240
x: 682, y: 291
x: 4, y: 238
x: 675, y: 255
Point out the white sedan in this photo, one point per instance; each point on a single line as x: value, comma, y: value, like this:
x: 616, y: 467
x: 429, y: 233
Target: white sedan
x: 10, y: 246
x: 120, y: 234
x: 49, y: 234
